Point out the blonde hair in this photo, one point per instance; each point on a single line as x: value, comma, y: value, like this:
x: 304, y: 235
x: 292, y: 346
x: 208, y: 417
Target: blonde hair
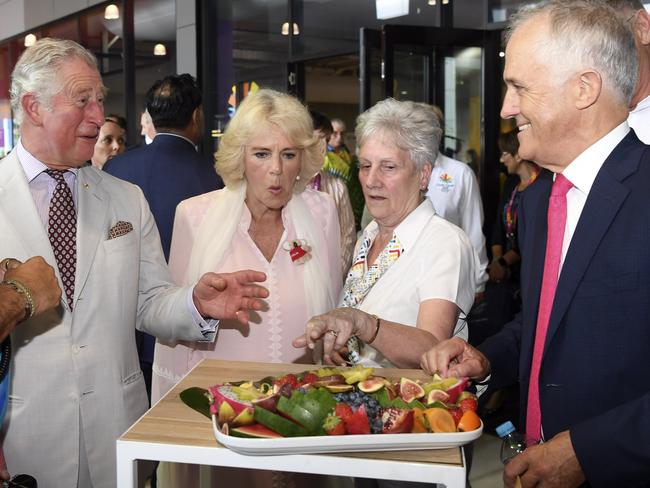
x: 38, y: 67
x: 286, y: 112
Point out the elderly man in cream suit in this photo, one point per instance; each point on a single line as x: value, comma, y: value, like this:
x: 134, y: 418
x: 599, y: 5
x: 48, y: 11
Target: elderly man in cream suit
x: 77, y: 383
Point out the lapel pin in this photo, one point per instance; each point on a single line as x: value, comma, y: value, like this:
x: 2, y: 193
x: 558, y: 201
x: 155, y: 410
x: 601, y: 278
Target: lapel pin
x: 86, y: 185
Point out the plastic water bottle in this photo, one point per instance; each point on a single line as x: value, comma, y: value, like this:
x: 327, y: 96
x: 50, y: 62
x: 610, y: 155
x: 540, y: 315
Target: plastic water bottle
x: 512, y: 444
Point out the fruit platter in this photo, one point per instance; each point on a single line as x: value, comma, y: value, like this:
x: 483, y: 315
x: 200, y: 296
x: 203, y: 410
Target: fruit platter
x: 340, y: 410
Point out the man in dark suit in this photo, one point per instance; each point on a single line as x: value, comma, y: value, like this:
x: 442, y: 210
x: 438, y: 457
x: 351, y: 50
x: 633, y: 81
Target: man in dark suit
x: 169, y: 169
x: 581, y: 346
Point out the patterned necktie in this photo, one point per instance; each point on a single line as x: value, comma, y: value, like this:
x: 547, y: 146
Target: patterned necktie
x: 62, y: 229
x: 556, y: 222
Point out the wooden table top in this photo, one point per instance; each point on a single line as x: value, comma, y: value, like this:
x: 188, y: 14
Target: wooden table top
x: 172, y: 422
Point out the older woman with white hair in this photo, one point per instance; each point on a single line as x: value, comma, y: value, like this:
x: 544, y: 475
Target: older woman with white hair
x: 412, y: 280
x: 263, y: 219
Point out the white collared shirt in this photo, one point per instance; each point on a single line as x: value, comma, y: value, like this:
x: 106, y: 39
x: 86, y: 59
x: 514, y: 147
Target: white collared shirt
x: 639, y: 120
x: 582, y: 172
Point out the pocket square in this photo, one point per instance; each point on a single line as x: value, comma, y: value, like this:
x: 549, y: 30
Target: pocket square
x: 120, y: 229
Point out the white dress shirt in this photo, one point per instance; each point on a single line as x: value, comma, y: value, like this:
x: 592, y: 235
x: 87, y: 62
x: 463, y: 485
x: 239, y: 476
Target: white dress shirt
x: 455, y: 194
x: 639, y: 120
x: 582, y: 172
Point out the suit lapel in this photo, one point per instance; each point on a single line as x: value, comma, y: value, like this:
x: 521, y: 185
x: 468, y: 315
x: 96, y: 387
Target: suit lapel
x: 19, y: 213
x: 603, y: 203
x: 92, y: 227
x: 537, y: 207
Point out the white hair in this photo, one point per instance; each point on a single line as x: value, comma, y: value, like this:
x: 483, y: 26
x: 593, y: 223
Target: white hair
x: 411, y: 126
x: 38, y: 68
x: 586, y: 34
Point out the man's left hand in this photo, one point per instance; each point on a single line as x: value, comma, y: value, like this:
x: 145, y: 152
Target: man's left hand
x: 230, y: 295
x: 548, y: 465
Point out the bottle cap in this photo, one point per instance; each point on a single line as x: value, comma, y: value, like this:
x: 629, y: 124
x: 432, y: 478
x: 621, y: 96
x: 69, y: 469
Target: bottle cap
x: 505, y: 428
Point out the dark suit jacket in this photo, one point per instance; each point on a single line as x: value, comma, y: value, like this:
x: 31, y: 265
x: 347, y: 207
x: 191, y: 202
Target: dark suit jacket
x: 168, y: 170
x: 595, y: 372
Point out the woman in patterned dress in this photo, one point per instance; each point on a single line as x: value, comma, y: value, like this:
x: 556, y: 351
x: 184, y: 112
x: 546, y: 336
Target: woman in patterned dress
x: 412, y: 280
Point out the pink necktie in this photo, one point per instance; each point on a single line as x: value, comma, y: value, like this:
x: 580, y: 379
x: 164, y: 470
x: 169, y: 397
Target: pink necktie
x: 62, y: 230
x: 556, y: 223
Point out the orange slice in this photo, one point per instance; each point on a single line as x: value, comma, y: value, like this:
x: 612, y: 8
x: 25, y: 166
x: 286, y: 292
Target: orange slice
x: 440, y: 420
x: 419, y: 421
x: 469, y: 421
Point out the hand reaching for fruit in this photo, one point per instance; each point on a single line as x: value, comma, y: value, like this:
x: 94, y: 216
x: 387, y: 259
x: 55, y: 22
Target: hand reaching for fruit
x: 455, y: 357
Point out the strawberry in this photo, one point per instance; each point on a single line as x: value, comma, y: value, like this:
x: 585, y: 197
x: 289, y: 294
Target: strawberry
x: 358, y: 422
x: 468, y: 404
x: 333, y: 425
x: 343, y: 411
x: 456, y: 413
x: 308, y: 379
x: 289, y: 379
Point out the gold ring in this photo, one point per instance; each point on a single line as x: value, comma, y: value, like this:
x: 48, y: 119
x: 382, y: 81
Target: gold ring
x: 333, y: 332
x: 4, y: 264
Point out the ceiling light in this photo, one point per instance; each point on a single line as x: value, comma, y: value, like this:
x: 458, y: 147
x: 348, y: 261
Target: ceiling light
x: 30, y: 40
x: 431, y: 2
x: 111, y: 12
x: 388, y: 9
x: 445, y: 2
x: 285, y: 29
x: 159, y: 50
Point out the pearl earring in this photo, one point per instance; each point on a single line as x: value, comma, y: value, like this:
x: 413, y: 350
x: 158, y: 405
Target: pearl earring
x: 298, y: 178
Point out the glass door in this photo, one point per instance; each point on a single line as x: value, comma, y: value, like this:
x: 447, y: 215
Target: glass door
x: 457, y: 69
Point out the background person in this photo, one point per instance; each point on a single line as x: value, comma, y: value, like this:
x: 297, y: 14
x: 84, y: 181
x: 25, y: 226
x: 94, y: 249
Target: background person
x: 111, y: 140
x: 580, y: 347
x: 637, y: 19
x: 334, y: 184
x: 169, y: 170
x: 147, y: 129
x: 413, y: 272
x: 99, y: 233
x: 263, y: 215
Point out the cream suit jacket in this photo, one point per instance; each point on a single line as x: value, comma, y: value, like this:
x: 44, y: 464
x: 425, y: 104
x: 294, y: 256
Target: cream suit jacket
x: 80, y: 369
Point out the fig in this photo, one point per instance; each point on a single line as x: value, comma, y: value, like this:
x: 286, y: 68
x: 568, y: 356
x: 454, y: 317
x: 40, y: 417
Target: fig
x: 269, y: 402
x: 409, y: 390
x: 437, y: 396
x: 455, y: 390
x: 371, y: 385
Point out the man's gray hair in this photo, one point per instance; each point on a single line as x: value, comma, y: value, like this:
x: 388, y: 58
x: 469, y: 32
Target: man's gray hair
x: 38, y: 68
x: 412, y: 127
x: 586, y: 34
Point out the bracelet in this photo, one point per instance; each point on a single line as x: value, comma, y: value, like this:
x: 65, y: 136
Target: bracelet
x: 378, y: 323
x: 30, y: 305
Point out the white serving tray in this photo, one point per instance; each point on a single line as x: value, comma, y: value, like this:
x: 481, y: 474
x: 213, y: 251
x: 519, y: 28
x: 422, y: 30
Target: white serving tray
x: 343, y: 443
